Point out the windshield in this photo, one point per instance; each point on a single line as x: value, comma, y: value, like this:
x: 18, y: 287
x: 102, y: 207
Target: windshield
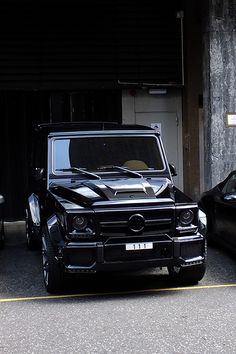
x: 136, y: 153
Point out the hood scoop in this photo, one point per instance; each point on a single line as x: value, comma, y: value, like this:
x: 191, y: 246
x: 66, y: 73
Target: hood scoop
x: 130, y: 189
x: 87, y: 193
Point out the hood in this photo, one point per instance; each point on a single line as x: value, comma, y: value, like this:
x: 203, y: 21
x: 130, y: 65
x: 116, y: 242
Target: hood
x: 88, y: 193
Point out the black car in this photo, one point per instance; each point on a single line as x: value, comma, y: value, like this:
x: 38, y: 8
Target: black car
x: 2, y: 235
x: 219, y: 204
x: 102, y: 199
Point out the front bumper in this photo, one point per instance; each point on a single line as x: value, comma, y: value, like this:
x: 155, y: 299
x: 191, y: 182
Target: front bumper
x: 110, y: 256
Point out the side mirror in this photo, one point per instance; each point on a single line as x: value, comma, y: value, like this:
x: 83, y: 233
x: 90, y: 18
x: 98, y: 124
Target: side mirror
x: 172, y: 170
x: 38, y: 173
x: 2, y: 200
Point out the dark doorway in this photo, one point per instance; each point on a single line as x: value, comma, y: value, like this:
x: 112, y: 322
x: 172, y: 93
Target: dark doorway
x: 96, y: 105
x: 21, y: 111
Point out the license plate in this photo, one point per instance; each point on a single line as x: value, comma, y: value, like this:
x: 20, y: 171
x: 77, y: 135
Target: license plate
x: 139, y: 246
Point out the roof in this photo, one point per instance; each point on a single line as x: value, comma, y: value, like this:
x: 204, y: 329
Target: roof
x: 47, y: 128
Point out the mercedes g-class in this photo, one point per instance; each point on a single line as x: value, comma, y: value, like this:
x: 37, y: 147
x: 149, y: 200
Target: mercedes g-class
x: 102, y: 198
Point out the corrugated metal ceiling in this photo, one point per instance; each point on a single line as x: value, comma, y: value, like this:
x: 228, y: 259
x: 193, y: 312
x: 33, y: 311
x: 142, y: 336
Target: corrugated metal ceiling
x: 88, y: 44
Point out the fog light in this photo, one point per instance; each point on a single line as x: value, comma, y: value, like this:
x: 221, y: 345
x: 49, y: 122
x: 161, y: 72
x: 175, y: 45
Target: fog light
x: 79, y: 223
x: 186, y: 217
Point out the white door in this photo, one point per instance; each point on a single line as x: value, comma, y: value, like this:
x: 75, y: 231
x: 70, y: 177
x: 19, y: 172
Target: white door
x: 170, y: 135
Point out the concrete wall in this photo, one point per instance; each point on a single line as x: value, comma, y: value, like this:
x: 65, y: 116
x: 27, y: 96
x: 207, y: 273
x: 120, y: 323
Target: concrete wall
x: 192, y: 95
x: 219, y: 68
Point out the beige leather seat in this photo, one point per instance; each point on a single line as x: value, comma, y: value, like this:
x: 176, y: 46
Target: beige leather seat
x: 135, y: 165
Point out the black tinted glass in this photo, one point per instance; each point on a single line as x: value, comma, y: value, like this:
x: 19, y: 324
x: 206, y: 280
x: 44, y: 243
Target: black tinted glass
x: 92, y: 153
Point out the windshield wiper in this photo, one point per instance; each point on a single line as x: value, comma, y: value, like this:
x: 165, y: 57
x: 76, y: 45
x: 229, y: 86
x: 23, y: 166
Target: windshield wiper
x: 79, y: 170
x: 124, y: 169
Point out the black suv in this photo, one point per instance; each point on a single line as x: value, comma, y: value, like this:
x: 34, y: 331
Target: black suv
x: 102, y: 198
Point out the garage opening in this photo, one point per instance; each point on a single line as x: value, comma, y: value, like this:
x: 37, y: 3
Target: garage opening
x: 21, y: 111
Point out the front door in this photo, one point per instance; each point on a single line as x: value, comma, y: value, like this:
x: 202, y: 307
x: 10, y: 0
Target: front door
x: 161, y: 108
x: 167, y: 123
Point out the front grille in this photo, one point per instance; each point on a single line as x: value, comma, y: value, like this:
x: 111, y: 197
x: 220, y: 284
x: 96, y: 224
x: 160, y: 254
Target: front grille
x: 117, y: 223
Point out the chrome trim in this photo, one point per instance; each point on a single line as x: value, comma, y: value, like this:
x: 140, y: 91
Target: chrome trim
x: 81, y: 269
x: 197, y: 237
x: 141, y: 218
x: 52, y: 222
x: 85, y: 234
x: 194, y: 260
x: 81, y: 245
x: 34, y: 209
x: 184, y: 229
x: 163, y: 187
x: 190, y: 206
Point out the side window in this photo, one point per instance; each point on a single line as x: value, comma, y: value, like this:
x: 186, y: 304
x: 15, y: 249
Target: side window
x: 230, y: 186
x: 61, y: 158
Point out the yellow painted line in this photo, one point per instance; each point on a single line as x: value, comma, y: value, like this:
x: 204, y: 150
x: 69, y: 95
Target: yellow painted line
x: 128, y: 292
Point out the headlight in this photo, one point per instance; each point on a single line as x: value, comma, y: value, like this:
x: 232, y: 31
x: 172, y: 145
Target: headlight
x: 186, y: 217
x: 79, y: 223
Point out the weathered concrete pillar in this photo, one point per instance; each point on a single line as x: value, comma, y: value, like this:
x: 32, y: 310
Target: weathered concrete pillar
x: 219, y: 89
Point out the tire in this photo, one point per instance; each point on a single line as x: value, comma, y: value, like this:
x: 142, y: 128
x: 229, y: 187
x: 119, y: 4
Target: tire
x: 187, y: 275
x: 53, y: 272
x: 31, y: 241
x: 190, y: 275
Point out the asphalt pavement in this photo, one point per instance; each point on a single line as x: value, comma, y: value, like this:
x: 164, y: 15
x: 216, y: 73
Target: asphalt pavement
x: 141, y: 312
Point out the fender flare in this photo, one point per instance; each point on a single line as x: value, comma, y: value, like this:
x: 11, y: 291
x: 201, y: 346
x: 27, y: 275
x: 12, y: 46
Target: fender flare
x: 34, y: 210
x: 54, y: 231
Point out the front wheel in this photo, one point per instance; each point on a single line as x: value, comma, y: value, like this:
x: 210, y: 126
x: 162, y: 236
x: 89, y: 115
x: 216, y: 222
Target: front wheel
x: 187, y: 275
x: 53, y: 274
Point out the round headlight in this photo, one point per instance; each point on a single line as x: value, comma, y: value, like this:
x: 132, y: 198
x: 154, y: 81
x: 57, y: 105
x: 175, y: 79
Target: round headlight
x: 186, y: 217
x: 79, y: 223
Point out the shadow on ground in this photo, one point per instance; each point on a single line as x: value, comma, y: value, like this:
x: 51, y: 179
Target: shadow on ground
x: 21, y: 272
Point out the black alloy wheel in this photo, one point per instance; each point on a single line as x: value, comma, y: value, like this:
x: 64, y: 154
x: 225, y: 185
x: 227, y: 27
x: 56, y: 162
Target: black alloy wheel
x: 53, y: 273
